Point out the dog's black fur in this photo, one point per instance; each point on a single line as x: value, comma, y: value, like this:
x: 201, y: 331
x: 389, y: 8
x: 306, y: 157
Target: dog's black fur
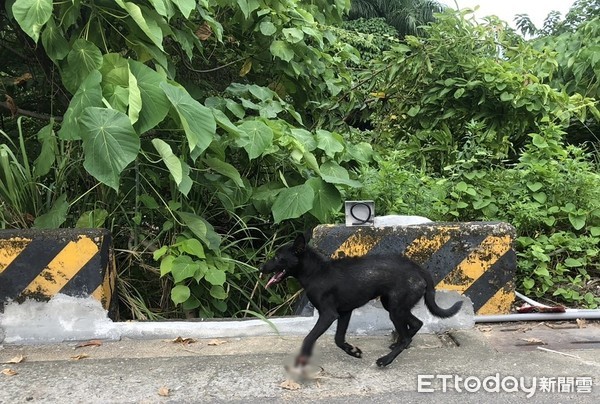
x: 336, y: 287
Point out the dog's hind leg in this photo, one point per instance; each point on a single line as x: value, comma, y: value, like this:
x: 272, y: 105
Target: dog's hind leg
x: 401, y: 323
x: 413, y: 326
x: 323, y: 323
x: 340, y: 336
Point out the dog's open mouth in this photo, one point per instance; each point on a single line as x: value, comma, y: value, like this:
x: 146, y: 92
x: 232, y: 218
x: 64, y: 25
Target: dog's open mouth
x: 275, y: 279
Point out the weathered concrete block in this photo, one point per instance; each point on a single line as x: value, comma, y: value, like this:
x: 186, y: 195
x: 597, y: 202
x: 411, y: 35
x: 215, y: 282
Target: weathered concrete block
x: 473, y: 258
x: 40, y: 264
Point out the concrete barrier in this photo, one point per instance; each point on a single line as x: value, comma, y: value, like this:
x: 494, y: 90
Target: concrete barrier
x: 475, y: 259
x: 40, y: 264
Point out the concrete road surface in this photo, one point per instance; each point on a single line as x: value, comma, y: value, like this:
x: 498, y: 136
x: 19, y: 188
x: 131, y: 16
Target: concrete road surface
x: 486, y: 364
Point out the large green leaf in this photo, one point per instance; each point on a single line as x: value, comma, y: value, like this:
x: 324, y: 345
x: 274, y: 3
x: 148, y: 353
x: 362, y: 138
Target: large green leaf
x: 327, y: 199
x: 197, y: 120
x: 215, y: 276
x: 267, y: 28
x: 47, y: 155
x: 218, y: 292
x: 180, y: 293
x: 293, y: 202
x: 183, y: 268
x: 171, y: 161
x: 119, y: 86
x: 115, y: 81
x: 293, y: 35
x: 202, y: 229
x: 306, y: 138
x: 135, y: 98
x: 192, y: 246
x: 144, y: 21
x: 109, y: 144
x: 83, y: 58
x: 55, y: 44
x: 164, y: 8
x: 69, y: 13
x: 282, y: 50
x: 55, y: 217
x: 333, y: 173
x: 32, y: 15
x: 255, y: 138
x: 186, y: 183
x: 577, y: 220
x: 185, y: 6
x: 225, y: 123
x: 155, y: 104
x: 329, y: 142
x: 225, y: 169
x: 89, y: 94
x: 92, y: 219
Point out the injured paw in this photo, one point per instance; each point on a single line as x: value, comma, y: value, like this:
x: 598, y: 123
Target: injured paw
x: 304, y: 372
x: 301, y: 361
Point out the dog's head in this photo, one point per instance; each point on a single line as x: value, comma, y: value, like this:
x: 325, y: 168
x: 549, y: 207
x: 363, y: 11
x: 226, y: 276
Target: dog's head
x: 286, y: 262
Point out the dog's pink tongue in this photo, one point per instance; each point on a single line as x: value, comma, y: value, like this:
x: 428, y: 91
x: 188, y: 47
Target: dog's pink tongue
x: 274, y: 279
x: 271, y: 281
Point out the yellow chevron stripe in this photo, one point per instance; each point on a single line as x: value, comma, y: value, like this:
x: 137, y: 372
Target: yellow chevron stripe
x: 356, y: 245
x: 422, y: 248
x: 499, y: 303
x: 63, y: 267
x: 102, y: 292
x: 10, y: 249
x: 477, y: 262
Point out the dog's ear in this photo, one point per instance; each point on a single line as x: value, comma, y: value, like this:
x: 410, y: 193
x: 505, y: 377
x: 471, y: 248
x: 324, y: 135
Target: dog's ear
x: 299, y: 244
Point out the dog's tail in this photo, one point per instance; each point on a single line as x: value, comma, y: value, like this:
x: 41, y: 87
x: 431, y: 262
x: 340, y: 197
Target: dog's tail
x: 430, y: 299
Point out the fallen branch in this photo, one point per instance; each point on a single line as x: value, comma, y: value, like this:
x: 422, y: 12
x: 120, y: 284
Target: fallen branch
x: 31, y: 114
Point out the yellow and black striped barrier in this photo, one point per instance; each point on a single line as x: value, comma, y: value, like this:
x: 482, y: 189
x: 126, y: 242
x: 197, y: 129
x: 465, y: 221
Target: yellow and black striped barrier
x: 40, y: 264
x: 474, y: 258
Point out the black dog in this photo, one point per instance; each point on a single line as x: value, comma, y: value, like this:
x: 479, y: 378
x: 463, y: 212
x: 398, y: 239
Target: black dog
x: 336, y: 287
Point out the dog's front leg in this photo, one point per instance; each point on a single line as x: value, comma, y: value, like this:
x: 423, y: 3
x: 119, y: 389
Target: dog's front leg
x: 323, y: 323
x: 340, y: 336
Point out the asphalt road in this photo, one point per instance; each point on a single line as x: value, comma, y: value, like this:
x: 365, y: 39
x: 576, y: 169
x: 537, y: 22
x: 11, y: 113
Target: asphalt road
x: 252, y: 369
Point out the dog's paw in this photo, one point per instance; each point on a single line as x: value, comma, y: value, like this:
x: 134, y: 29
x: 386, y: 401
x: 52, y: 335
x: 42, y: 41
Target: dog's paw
x: 353, y: 351
x: 384, y: 361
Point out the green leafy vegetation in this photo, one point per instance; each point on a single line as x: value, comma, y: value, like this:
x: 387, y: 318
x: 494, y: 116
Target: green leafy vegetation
x: 204, y: 134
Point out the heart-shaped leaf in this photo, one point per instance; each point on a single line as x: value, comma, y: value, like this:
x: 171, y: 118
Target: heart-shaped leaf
x: 145, y: 21
x: 55, y: 217
x: 329, y: 142
x: 89, y: 94
x: 255, y: 138
x: 282, y: 50
x: 83, y: 58
x: 32, y: 15
x: 54, y: 42
x: 333, y: 173
x: 109, y: 144
x: 327, y: 199
x: 183, y: 268
x: 215, y: 276
x: 154, y: 103
x: 197, y: 120
x: 180, y: 293
x: 293, y: 202
x: 225, y: 169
